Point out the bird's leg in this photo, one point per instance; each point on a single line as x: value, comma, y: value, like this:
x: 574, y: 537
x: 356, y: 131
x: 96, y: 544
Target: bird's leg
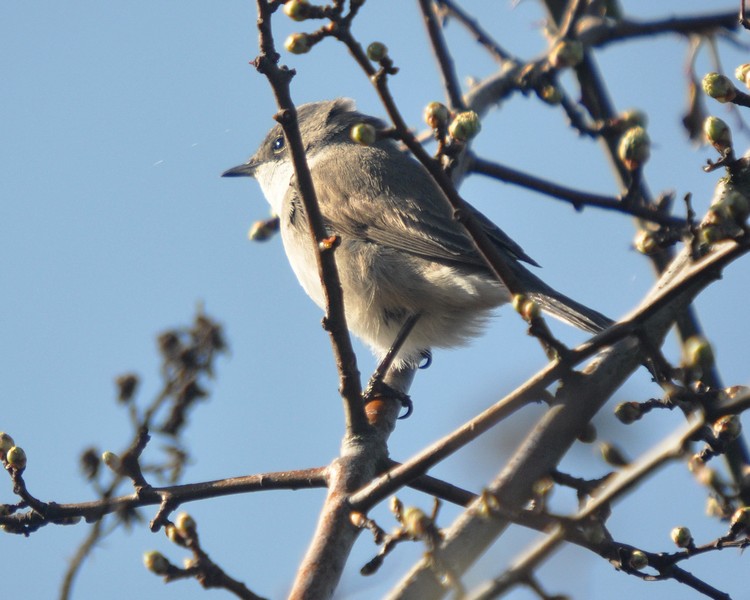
x: 393, y: 383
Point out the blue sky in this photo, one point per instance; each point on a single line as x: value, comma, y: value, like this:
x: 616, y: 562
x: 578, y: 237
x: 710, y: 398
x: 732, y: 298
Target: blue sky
x: 115, y: 224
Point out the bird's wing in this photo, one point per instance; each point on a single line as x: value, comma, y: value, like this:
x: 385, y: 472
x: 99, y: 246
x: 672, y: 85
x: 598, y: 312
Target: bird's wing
x: 387, y: 211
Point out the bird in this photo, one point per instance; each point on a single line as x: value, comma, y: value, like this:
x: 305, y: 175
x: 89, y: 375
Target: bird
x: 401, y: 255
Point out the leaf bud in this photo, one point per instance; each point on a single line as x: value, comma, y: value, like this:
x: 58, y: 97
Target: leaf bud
x: 465, y: 126
x: 717, y: 133
x: 6, y: 443
x: 436, y: 115
x: 185, y: 524
x: 297, y: 10
x: 628, y: 412
x: 682, y: 537
x: 16, y: 458
x: 638, y: 560
x: 742, y: 72
x: 298, y: 43
x: 698, y: 352
x: 377, y: 51
x: 156, y: 562
x: 634, y: 148
x: 363, y: 133
x: 719, y: 87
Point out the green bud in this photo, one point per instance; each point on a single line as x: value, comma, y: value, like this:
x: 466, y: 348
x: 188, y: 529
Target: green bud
x: 682, y: 537
x: 566, y: 53
x: 698, y: 353
x: 298, y: 43
x: 518, y: 302
x: 628, y: 412
x: 719, y: 87
x: 645, y: 242
x: 377, y: 51
x: 638, y: 560
x: 112, y: 461
x: 185, y: 524
x: 297, y: 10
x: 742, y: 72
x: 465, y: 126
x: 717, y: 133
x: 156, y: 562
x: 436, y: 115
x: 363, y: 133
x: 6, y: 443
x: 16, y: 458
x: 634, y: 148
x: 530, y: 310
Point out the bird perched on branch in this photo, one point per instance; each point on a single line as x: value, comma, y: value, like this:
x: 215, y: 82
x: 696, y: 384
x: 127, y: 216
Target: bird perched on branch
x: 402, y: 255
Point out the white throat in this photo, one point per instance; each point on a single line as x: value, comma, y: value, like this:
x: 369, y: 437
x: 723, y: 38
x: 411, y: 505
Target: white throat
x: 274, y: 178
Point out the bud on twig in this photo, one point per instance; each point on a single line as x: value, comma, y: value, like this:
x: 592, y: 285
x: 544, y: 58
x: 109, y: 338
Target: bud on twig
x: 156, y: 562
x: 436, y: 115
x: 297, y: 10
x: 717, y: 133
x: 298, y: 43
x: 682, y: 537
x: 16, y: 458
x: 6, y: 443
x: 634, y: 148
x: 377, y: 51
x: 719, y: 87
x: 363, y: 133
x: 465, y: 126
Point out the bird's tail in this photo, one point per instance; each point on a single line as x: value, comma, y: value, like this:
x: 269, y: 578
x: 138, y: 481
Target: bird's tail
x: 560, y: 306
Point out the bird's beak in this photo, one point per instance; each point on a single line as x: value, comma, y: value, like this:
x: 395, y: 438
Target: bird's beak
x: 244, y: 170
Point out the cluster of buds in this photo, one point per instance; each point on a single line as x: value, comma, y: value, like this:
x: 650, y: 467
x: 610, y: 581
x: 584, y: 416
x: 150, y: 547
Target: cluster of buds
x: 12, y: 456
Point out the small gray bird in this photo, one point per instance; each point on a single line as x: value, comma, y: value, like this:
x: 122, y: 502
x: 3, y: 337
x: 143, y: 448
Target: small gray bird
x: 401, y: 252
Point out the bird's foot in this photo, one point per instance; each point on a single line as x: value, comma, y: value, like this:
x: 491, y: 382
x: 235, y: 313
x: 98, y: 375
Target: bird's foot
x: 377, y: 388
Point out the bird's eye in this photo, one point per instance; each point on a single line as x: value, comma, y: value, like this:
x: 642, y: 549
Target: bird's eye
x: 278, y: 144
